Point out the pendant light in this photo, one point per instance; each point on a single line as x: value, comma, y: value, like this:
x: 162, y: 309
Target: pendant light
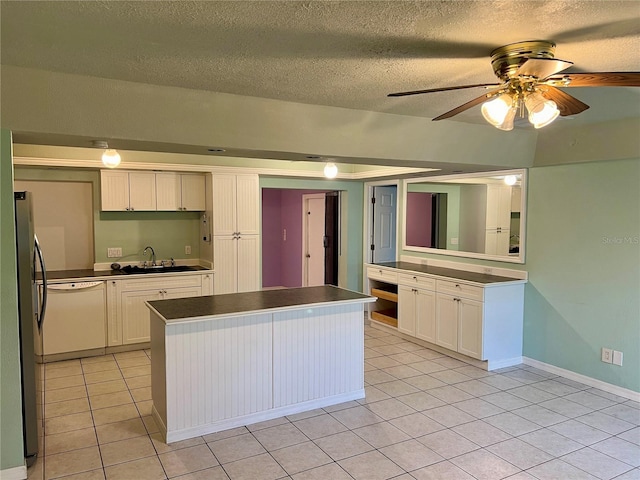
x: 110, y: 157
x: 331, y: 170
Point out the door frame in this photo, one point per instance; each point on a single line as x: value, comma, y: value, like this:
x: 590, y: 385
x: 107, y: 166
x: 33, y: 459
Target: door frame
x: 305, y: 266
x: 368, y: 224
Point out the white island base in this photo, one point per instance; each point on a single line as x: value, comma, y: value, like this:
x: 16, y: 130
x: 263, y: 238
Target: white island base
x: 224, y: 370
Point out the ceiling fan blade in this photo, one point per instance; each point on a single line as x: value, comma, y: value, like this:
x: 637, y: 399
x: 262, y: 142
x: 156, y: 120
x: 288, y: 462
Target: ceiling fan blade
x: 567, y: 104
x: 444, y: 89
x: 542, y: 67
x: 600, y: 79
x: 468, y: 105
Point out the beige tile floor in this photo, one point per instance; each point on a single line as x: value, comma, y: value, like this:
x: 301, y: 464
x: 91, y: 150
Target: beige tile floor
x: 425, y: 416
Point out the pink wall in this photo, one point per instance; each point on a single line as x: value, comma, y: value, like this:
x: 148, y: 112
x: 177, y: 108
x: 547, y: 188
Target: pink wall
x: 282, y: 259
x: 419, y: 219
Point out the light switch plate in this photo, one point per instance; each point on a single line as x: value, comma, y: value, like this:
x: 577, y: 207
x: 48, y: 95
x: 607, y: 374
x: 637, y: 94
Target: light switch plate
x: 617, y: 358
x: 607, y: 355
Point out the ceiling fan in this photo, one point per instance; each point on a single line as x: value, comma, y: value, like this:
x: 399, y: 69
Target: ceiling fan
x: 530, y: 80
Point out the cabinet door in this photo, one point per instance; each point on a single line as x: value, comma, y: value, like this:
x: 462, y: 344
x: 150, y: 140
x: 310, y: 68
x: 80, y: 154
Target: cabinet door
x: 426, y: 315
x: 168, y: 191
x: 142, y: 191
x: 498, y: 206
x: 224, y: 205
x: 447, y: 321
x: 470, y: 328
x: 207, y: 284
x: 193, y: 192
x: 407, y: 310
x: 248, y: 204
x: 248, y: 267
x: 114, y: 190
x: 225, y: 258
x: 135, y: 315
x: 181, y: 292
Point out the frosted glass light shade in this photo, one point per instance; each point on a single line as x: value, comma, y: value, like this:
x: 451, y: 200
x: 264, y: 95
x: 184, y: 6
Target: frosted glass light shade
x: 495, y: 111
x: 507, y: 123
x: 510, y: 180
x: 111, y: 158
x: 541, y: 111
x: 331, y: 170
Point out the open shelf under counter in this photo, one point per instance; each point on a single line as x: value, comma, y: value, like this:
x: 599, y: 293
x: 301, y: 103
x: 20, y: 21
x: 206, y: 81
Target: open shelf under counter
x: 384, y: 294
x: 388, y: 317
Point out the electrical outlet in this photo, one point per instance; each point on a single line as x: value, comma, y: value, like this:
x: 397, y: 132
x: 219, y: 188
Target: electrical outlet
x: 487, y: 270
x: 607, y: 355
x: 454, y: 240
x: 617, y: 358
x: 187, y: 250
x: 114, y: 252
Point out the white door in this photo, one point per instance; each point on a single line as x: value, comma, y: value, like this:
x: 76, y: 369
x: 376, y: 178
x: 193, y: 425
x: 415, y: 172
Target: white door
x: 384, y: 224
x: 135, y: 315
x: 313, y: 240
x: 248, y: 248
x: 224, y: 205
x: 142, y: 191
x: 168, y: 191
x: 225, y: 263
x: 192, y: 188
x: 114, y: 190
x: 248, y: 204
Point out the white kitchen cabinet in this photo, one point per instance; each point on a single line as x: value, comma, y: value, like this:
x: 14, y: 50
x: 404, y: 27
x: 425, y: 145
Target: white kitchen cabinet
x: 127, y: 191
x: 236, y: 205
x: 180, y: 191
x: 128, y: 322
x: 479, y: 320
x: 236, y: 259
x: 236, y: 228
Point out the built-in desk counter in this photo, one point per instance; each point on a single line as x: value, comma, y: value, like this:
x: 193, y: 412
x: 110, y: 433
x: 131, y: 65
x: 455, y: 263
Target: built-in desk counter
x: 459, y: 312
x: 223, y: 361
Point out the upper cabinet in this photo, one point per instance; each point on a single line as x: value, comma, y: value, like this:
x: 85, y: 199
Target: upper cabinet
x: 180, y: 191
x: 236, y: 205
x: 127, y: 191
x: 151, y: 191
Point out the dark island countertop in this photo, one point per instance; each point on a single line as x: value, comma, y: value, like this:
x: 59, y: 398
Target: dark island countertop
x: 237, y: 304
x: 449, y: 273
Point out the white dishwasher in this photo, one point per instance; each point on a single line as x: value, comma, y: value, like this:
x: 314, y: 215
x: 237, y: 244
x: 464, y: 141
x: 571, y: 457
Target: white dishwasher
x: 75, y: 317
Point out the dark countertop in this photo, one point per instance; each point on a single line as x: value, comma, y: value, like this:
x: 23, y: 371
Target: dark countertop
x: 253, y: 302
x: 77, y: 275
x: 475, y: 277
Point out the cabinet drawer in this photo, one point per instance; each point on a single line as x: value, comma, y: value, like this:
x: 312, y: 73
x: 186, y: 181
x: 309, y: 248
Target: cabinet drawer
x: 167, y: 281
x: 460, y: 289
x: 417, y: 281
x: 382, y: 274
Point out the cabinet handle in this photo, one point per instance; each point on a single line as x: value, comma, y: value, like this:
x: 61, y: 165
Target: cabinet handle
x: 457, y: 286
x: 132, y: 209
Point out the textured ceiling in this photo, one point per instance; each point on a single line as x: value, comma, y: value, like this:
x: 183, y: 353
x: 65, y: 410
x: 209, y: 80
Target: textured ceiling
x: 345, y: 54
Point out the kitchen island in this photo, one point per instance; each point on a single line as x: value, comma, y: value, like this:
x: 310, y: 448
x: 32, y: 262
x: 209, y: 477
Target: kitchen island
x: 223, y: 361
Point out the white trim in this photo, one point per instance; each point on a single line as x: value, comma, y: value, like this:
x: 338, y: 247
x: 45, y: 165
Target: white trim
x: 467, y: 267
x: 15, y: 473
x: 592, y: 382
x: 227, y: 424
x: 505, y: 362
x: 176, y: 167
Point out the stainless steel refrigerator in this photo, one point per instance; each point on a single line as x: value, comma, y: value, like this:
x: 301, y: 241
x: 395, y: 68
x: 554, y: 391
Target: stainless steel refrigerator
x: 31, y: 309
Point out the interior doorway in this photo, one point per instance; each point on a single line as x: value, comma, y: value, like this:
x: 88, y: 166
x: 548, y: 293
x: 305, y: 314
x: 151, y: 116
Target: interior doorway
x: 313, y: 240
x: 284, y: 246
x: 381, y: 222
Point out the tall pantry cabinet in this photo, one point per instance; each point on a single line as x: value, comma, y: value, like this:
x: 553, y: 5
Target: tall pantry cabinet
x: 236, y: 233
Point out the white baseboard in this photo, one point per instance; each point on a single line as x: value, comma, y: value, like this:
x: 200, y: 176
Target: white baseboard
x: 505, y: 362
x: 592, y: 382
x: 15, y: 473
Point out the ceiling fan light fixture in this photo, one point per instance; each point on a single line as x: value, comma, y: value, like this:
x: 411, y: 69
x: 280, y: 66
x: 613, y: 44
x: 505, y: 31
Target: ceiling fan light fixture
x: 507, y: 123
x: 496, y: 111
x: 541, y: 111
x: 331, y: 170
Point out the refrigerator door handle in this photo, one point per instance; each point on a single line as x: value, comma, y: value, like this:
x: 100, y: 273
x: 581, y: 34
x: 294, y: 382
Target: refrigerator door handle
x: 43, y: 306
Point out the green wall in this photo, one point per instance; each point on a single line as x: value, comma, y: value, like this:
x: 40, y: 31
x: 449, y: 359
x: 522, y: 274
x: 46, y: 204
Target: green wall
x: 11, y: 450
x: 583, y: 259
x: 166, y: 232
x: 354, y: 199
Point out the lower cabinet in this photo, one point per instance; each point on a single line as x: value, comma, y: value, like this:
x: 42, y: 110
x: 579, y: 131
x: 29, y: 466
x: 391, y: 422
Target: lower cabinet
x: 128, y: 321
x: 459, y: 325
x: 417, y: 312
x: 237, y: 263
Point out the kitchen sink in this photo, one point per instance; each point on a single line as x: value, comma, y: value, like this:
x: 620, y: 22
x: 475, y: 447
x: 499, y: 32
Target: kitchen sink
x: 130, y: 269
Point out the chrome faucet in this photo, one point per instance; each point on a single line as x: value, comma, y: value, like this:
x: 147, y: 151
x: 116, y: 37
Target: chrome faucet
x: 153, y: 255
